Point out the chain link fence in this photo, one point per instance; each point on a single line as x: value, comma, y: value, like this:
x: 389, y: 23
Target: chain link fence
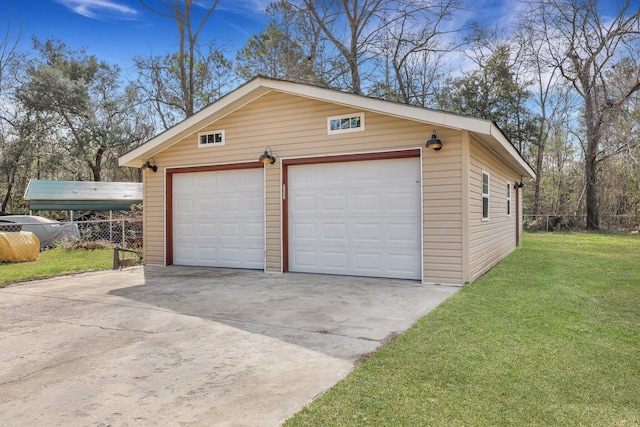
x: 554, y: 222
x: 126, y: 233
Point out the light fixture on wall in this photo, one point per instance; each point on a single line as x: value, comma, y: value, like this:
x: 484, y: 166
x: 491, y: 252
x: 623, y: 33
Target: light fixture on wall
x: 434, y: 142
x: 148, y: 165
x: 521, y: 184
x: 267, y: 156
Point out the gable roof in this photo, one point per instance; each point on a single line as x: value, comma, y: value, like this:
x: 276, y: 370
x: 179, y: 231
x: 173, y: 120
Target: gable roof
x: 85, y: 195
x: 486, y: 131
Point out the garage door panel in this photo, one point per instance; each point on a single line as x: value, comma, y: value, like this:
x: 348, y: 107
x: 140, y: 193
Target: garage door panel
x: 348, y: 218
x: 334, y: 260
x: 366, y: 203
x: 367, y: 261
x: 335, y: 232
x: 401, y: 233
x: 366, y: 232
x: 305, y: 259
x: 219, y: 218
x: 207, y: 230
x: 403, y: 264
x: 253, y: 205
x: 400, y: 202
x: 254, y: 230
x: 304, y: 203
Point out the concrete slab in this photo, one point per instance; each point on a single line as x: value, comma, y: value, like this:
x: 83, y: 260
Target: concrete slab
x: 190, y: 346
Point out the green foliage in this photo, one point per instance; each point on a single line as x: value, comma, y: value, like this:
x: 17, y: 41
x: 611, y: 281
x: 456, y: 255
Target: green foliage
x: 56, y: 262
x: 272, y: 53
x: 493, y: 92
x: 76, y: 112
x: 290, y: 47
x: 550, y: 336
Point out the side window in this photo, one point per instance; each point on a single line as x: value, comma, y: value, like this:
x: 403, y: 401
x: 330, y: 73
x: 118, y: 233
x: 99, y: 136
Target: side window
x: 508, y: 199
x: 485, y: 195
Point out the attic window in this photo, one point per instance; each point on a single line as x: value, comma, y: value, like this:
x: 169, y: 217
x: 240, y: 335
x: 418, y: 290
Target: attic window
x: 210, y: 139
x: 347, y: 123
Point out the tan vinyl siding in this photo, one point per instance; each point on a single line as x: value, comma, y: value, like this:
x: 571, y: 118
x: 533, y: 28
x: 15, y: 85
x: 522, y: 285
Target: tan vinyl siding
x: 273, y: 223
x: 153, y: 213
x: 442, y: 211
x: 489, y: 240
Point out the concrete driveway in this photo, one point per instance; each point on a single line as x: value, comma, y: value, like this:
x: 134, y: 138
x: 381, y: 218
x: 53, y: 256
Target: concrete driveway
x: 190, y: 346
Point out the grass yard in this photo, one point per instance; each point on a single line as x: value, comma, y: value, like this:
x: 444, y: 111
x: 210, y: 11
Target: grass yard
x: 550, y: 336
x: 56, y: 262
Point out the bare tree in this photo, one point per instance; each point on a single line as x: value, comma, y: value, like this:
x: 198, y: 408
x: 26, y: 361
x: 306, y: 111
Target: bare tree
x: 13, y: 150
x: 415, y: 40
x: 159, y: 87
x: 583, y: 45
x: 182, y: 11
x: 549, y: 93
x: 351, y: 26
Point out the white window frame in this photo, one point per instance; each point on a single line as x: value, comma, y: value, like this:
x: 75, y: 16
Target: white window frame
x: 332, y: 130
x: 211, y: 144
x: 509, y: 205
x: 485, y: 195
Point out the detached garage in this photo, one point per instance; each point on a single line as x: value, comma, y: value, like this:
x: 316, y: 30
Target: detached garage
x: 281, y: 176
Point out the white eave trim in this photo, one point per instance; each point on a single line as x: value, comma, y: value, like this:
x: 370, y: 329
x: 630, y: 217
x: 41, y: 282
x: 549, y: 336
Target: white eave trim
x: 260, y: 86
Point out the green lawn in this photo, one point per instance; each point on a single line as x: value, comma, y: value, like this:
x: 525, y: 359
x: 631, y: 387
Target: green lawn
x: 549, y: 337
x: 56, y: 262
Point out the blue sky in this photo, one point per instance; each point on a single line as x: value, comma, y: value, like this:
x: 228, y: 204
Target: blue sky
x: 116, y: 30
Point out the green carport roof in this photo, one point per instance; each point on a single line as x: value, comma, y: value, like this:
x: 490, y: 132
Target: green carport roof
x: 82, y: 195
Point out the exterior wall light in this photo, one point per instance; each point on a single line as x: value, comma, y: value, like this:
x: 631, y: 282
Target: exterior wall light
x: 267, y: 156
x: 148, y: 165
x: 434, y: 142
x: 521, y: 185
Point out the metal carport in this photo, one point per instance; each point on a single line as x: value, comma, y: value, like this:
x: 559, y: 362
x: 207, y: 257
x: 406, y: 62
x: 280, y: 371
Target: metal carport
x: 82, y: 195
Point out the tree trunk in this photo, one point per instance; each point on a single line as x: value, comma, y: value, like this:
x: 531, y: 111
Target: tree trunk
x: 591, y: 161
x: 7, y: 197
x: 539, y: 159
x: 353, y: 56
x: 355, y: 77
x: 96, y: 168
x: 590, y: 169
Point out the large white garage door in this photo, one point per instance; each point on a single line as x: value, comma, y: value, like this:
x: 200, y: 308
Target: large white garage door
x: 218, y: 218
x: 356, y: 218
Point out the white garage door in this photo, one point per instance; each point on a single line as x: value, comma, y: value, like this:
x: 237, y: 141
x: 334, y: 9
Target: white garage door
x: 218, y: 218
x: 356, y: 218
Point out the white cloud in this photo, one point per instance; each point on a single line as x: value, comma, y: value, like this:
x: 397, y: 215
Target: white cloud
x: 98, y: 8
x: 240, y: 7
